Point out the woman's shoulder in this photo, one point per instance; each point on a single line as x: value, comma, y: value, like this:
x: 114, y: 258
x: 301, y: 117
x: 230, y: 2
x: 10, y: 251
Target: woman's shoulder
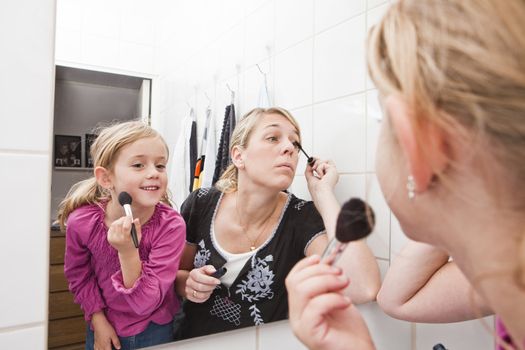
x: 202, y: 196
x: 301, y: 207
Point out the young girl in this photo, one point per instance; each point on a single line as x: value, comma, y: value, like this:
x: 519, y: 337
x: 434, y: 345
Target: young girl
x: 451, y: 75
x: 126, y: 293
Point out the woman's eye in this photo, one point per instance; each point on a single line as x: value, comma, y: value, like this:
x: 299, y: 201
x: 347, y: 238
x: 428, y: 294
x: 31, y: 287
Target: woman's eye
x: 272, y: 138
x: 161, y: 166
x: 137, y: 165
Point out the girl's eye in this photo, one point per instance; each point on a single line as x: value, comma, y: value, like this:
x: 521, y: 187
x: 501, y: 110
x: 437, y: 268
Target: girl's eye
x: 137, y: 165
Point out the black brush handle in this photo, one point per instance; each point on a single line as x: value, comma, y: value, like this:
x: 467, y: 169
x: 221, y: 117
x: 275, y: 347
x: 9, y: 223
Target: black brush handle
x: 134, y: 235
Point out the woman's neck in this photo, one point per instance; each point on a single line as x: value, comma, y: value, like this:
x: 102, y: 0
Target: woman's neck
x: 255, y: 207
x: 487, y: 248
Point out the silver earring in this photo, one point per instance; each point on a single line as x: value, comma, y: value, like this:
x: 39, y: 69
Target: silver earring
x: 411, y: 187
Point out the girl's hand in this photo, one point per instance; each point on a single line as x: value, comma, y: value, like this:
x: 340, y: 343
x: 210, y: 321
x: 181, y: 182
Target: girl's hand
x: 324, y: 179
x: 320, y: 315
x: 200, y: 285
x: 105, y: 334
x: 119, y: 234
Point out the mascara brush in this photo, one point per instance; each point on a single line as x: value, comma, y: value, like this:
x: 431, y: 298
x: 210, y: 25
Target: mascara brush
x: 310, y: 159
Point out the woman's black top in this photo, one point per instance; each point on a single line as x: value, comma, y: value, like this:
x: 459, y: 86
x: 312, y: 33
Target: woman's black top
x: 258, y: 294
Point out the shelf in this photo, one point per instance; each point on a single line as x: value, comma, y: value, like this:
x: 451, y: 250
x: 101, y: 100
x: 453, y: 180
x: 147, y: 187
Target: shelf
x: 64, y: 168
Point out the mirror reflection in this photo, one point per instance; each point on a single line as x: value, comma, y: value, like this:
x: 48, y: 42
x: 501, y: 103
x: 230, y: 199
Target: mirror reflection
x: 252, y: 204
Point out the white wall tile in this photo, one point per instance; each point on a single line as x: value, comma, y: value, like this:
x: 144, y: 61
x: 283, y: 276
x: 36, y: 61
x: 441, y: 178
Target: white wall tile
x: 70, y: 14
x: 293, y: 22
x: 299, y: 187
x: 136, y: 57
x: 379, y: 239
x: 231, y: 51
x: 293, y: 76
x: 373, y: 126
x: 373, y: 3
x: 278, y: 335
x: 331, y: 12
x: 259, y: 41
x: 100, y: 51
x: 339, y: 60
x: 243, y: 339
x: 137, y: 29
x: 27, y: 70
x: 68, y: 46
x: 387, y: 332
x: 350, y: 186
x: 340, y: 132
x: 25, y: 338
x: 102, y: 18
x: 25, y: 215
x: 459, y: 335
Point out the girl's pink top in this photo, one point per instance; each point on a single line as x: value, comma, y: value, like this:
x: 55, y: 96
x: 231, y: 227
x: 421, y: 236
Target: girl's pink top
x: 92, y: 269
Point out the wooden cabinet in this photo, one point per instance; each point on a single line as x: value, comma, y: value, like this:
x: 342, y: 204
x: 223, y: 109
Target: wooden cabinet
x: 67, y: 328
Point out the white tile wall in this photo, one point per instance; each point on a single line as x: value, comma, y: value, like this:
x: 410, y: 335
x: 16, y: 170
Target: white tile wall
x: 27, y: 89
x: 339, y: 60
x: 331, y: 12
x: 293, y: 21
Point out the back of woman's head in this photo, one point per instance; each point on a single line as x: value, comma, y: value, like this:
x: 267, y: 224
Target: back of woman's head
x: 104, y: 152
x: 460, y: 65
x: 241, y: 136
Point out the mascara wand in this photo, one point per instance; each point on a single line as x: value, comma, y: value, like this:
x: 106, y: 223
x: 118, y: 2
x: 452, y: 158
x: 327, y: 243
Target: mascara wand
x: 310, y: 159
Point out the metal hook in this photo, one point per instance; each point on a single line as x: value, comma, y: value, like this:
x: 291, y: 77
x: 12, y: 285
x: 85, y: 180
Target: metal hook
x: 209, y: 100
x: 260, y: 70
x: 232, y: 92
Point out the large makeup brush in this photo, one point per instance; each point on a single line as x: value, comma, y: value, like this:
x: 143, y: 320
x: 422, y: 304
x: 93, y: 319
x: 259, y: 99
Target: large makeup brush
x: 124, y: 198
x: 355, y: 221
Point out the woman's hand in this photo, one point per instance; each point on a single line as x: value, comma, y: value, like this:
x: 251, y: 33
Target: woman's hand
x: 200, y: 285
x: 324, y: 179
x: 105, y: 334
x: 320, y: 315
x: 119, y: 235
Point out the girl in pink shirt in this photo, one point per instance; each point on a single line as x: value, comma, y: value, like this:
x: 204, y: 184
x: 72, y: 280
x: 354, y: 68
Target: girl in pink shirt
x: 126, y: 293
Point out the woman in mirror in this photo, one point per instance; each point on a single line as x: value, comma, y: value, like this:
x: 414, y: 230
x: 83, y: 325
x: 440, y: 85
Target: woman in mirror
x: 255, y: 229
x: 451, y: 77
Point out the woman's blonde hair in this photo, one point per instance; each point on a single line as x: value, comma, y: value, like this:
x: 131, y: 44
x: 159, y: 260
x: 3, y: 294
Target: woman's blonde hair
x: 241, y: 136
x: 104, y: 152
x: 460, y: 65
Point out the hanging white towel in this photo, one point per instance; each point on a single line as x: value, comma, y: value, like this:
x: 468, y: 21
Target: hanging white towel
x: 180, y: 166
x: 209, y: 150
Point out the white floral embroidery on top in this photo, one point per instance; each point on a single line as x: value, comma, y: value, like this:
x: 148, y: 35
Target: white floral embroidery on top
x: 257, y: 286
x: 202, y: 192
x: 202, y: 255
x: 299, y: 205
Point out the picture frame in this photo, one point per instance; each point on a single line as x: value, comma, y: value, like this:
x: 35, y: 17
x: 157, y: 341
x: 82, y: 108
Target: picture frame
x: 68, y: 151
x: 88, y: 141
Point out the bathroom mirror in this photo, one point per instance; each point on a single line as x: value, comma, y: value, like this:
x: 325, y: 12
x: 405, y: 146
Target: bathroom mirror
x: 306, y: 56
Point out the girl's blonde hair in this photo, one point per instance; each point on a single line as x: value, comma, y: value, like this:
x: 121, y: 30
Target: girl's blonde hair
x: 104, y: 152
x: 460, y: 65
x: 241, y: 136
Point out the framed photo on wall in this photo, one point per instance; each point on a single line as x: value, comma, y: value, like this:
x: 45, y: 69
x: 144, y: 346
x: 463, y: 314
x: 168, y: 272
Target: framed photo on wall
x: 88, y: 141
x: 68, y: 151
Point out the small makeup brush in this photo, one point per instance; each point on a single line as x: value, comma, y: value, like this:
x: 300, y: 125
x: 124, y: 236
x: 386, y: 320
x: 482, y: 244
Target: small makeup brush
x: 355, y: 221
x: 310, y: 159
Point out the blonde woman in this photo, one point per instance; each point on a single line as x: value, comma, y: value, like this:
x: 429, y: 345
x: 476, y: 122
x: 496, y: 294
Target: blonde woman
x: 451, y: 76
x: 249, y: 225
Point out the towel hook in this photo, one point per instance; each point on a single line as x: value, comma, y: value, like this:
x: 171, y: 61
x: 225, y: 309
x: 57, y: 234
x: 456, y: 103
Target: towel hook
x: 232, y: 92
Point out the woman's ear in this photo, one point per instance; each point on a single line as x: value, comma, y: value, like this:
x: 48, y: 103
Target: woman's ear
x: 237, y: 157
x: 103, y: 178
x: 422, y: 163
